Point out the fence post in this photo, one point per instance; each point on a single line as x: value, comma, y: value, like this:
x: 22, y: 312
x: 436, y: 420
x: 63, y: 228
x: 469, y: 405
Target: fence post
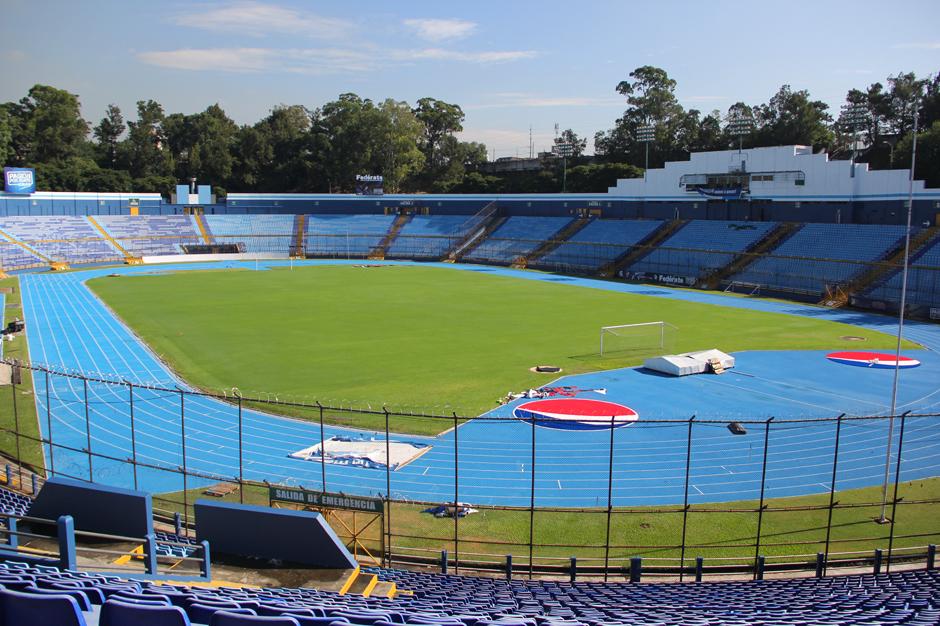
x: 183, y: 441
x: 16, y: 420
x: 177, y: 523
x: 9, y: 475
x: 894, y: 500
x: 150, y: 554
x: 532, y: 503
x: 206, y: 566
x: 35, y: 484
x: 241, y: 464
x: 820, y: 564
x: 759, y: 570
x: 877, y: 566
x: 636, y: 569
x: 130, y: 395
x: 12, y: 539
x: 456, y: 502
x: 66, y: 527
x: 573, y: 569
x: 685, y: 498
x: 51, y: 471
x: 763, y: 484
x: 931, y: 556
x: 508, y: 567
x: 322, y: 451
x: 91, y: 476
x: 699, y: 563
x: 444, y: 561
x: 832, y: 489
x: 610, y: 493
x: 387, y: 557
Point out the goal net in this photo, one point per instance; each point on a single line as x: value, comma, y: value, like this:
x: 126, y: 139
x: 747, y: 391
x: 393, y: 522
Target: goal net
x: 643, y: 338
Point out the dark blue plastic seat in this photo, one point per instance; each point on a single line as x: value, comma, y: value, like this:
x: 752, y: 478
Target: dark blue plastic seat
x: 230, y: 618
x: 84, y: 604
x: 18, y: 608
x: 115, y: 613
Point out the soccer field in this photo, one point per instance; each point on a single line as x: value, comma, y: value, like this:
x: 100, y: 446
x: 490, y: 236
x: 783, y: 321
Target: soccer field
x: 412, y: 337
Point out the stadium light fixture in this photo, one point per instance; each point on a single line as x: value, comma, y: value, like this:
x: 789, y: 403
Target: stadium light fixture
x: 739, y: 126
x: 646, y: 134
x: 897, y: 352
x: 853, y: 117
x: 564, y: 149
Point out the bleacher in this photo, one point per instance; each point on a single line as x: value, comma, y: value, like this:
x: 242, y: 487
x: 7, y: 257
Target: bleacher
x: 345, y: 235
x: 852, y: 244
x: 151, y: 235
x: 13, y: 503
x: 47, y: 595
x: 600, y: 242
x: 700, y: 247
x: 428, y: 236
x: 923, y: 285
x: 259, y: 233
x: 66, y: 238
x: 517, y: 236
x: 14, y: 257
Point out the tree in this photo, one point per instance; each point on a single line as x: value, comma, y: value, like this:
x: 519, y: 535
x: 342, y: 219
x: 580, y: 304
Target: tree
x: 108, y: 133
x: 790, y: 117
x: 147, y: 153
x: 599, y: 177
x: 440, y: 120
x: 927, y: 167
x: 202, y: 144
x: 395, y: 153
x: 6, y: 137
x: 578, y: 144
x: 50, y: 125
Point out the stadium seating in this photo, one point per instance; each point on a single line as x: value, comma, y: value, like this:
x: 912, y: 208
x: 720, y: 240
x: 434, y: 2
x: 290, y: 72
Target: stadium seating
x: 272, y: 234
x: 152, y: 235
x: 906, y: 597
x: 692, y: 251
x: 613, y: 236
x: 345, y: 235
x: 518, y: 236
x: 12, y: 503
x: 65, y: 238
x: 852, y: 244
x: 428, y: 236
x: 923, y: 286
x: 14, y: 257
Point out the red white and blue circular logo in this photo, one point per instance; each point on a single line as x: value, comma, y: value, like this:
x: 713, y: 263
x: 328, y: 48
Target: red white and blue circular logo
x: 576, y: 414
x: 875, y: 360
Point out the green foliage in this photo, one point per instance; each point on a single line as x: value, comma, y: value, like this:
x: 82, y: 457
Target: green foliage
x: 598, y: 177
x: 927, y: 167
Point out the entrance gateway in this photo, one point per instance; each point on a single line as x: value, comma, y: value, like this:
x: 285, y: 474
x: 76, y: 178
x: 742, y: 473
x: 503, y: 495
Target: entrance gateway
x: 358, y: 521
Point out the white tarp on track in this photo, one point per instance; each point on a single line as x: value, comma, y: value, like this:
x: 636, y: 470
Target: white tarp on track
x: 688, y: 362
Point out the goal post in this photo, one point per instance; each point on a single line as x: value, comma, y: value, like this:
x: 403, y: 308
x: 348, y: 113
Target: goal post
x: 644, y: 336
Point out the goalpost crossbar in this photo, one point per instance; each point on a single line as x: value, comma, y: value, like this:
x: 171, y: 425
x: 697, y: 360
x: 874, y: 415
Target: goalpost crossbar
x: 612, y: 329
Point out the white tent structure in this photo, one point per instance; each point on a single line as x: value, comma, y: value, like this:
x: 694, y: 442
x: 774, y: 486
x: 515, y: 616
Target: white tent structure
x: 689, y: 362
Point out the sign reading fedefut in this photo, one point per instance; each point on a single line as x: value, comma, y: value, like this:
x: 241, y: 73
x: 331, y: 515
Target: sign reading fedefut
x: 19, y: 180
x: 369, y: 185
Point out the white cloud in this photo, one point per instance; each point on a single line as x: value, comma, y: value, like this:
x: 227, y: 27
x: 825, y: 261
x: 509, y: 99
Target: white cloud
x: 441, y: 30
x: 312, y: 60
x: 921, y: 45
x: 257, y: 19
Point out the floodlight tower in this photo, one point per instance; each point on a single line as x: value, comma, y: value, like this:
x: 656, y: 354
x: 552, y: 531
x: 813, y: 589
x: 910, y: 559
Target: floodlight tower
x: 564, y: 149
x: 740, y: 125
x: 853, y: 117
x: 646, y: 134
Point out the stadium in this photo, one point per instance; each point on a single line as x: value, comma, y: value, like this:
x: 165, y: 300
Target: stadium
x: 311, y: 319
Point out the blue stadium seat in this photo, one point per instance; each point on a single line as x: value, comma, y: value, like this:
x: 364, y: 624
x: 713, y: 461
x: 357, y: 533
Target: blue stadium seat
x: 18, y: 608
x: 114, y: 613
x: 228, y: 618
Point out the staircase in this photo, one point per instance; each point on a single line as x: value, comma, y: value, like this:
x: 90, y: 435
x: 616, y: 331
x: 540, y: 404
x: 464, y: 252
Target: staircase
x: 893, y: 260
x: 368, y: 585
x: 203, y: 227
x: 129, y: 258
x: 478, y: 228
x: 57, y: 265
x: 776, y: 236
x: 378, y: 253
x: 297, y: 247
x: 642, y: 248
x: 547, y: 246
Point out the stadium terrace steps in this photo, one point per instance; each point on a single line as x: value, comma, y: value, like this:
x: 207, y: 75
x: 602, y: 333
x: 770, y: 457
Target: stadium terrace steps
x: 642, y: 248
x: 109, y: 238
x: 563, y: 235
x: 344, y: 236
x: 379, y: 252
x: 265, y: 233
x: 515, y: 237
x: 477, y: 229
x: 920, y: 242
x: 922, y: 283
x: 773, y: 238
x: 429, y: 237
x: 31, y: 251
x: 203, y: 228
x: 598, y: 243
x: 142, y: 235
x: 297, y: 236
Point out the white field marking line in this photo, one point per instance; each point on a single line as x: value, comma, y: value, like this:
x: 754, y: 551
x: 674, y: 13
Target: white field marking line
x: 559, y: 483
x: 425, y: 470
x: 700, y: 492
x: 824, y: 486
x: 779, y: 397
x: 790, y: 385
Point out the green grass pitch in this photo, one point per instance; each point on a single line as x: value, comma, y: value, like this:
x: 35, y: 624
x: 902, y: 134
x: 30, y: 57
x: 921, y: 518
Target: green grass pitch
x: 413, y: 337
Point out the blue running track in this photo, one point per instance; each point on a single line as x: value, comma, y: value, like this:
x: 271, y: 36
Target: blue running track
x: 70, y: 328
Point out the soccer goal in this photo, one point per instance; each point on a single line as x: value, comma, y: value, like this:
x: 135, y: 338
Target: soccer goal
x: 643, y: 337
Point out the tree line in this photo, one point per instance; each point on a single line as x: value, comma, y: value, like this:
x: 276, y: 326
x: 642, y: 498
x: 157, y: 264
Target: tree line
x: 415, y: 147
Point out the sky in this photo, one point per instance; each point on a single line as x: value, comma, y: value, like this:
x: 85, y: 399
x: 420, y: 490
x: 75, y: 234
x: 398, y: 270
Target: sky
x: 512, y: 65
